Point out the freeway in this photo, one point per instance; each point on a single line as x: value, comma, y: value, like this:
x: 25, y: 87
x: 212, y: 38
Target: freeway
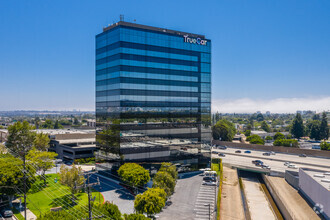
x: 276, y: 162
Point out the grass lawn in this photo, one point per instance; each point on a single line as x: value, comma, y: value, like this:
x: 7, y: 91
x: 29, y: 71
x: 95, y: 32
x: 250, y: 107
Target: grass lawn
x: 54, y: 195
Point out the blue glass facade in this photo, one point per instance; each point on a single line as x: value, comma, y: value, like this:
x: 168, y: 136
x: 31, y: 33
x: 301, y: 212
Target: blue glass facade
x: 153, y: 96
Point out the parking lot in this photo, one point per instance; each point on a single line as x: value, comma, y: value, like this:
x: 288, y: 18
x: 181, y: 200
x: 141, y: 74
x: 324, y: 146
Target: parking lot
x: 191, y: 200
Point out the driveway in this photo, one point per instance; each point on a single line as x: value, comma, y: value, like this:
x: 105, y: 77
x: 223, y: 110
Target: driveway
x: 115, y: 193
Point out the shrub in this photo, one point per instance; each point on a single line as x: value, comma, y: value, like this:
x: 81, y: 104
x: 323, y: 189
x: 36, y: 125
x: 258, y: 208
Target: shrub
x: 286, y: 142
x: 255, y: 139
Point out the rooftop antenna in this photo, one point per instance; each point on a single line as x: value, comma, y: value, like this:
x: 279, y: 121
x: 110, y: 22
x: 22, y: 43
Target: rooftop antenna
x: 121, y: 17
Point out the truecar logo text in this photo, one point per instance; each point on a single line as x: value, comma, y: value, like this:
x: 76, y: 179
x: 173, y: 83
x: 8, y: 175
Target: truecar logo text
x: 188, y: 39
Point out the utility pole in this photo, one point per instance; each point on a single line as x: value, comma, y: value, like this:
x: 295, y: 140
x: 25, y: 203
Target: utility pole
x: 87, y: 187
x: 24, y: 172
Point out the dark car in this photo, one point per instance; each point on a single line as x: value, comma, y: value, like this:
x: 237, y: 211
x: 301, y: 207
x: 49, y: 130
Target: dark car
x: 247, y: 152
x: 266, y: 154
x: 259, y: 164
x: 221, y: 155
x: 222, y: 147
x: 302, y: 155
x: 238, y: 151
x: 257, y: 161
x: 214, y: 152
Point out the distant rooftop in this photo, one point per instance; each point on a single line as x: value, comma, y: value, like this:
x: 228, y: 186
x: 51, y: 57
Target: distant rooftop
x: 65, y: 131
x: 162, y: 30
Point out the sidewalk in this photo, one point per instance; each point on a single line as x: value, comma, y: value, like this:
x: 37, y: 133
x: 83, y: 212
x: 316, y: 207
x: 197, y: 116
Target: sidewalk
x: 29, y: 214
x: 231, y: 207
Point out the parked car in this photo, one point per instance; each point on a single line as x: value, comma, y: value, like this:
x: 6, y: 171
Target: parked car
x: 286, y: 163
x: 302, y: 155
x: 247, y: 152
x: 209, y: 183
x: 221, y: 155
x: 293, y: 166
x: 266, y: 154
x: 6, y: 212
x: 238, y: 151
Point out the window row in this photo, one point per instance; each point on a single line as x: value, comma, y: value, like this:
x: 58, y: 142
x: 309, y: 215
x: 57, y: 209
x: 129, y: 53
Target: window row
x: 146, y: 104
x: 147, y: 53
x: 148, y: 93
x: 146, y: 76
x: 147, y: 87
x: 146, y: 70
x: 146, y: 98
x: 126, y: 56
x: 146, y: 64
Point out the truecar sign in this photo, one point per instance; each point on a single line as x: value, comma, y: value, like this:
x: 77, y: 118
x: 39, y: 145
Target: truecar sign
x: 198, y: 40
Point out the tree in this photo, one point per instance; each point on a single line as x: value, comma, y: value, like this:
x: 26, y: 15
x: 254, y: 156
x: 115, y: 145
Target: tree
x: 260, y: 117
x: 109, y: 210
x: 75, y: 121
x: 268, y: 138
x: 134, y: 174
x: 48, y: 124
x: 41, y: 142
x: 20, y: 138
x: 57, y: 125
x: 150, y: 202
x: 43, y: 160
x: 72, y: 178
x: 325, y: 146
x: 164, y: 181
x: 249, y: 127
x: 255, y: 139
x: 297, y: 127
x: 315, y: 130
x: 3, y: 149
x: 223, y: 130
x: 279, y: 135
x: 135, y: 217
x: 286, y: 143
x: 11, y: 176
x: 324, y: 128
x: 57, y: 215
x: 264, y: 126
x: 247, y: 133
x: 169, y: 168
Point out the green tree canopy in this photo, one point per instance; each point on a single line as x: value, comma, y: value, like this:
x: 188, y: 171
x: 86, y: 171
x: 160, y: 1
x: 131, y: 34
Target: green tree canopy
x: 315, y: 130
x: 135, y: 217
x: 11, y: 175
x: 297, y: 127
x: 110, y: 210
x: 134, y: 174
x: 265, y: 126
x: 41, y: 141
x: 223, y: 130
x: 169, y: 168
x: 57, y: 215
x: 286, y: 143
x: 268, y: 138
x: 57, y: 125
x: 260, y: 117
x: 255, y: 139
x: 72, y: 177
x: 150, y: 202
x: 279, y: 135
x: 164, y: 181
x: 48, y: 124
x: 20, y: 138
x: 42, y: 160
x: 247, y: 133
x: 324, y: 128
x: 325, y: 146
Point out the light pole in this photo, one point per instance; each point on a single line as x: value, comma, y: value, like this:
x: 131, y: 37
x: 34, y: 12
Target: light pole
x: 209, y: 205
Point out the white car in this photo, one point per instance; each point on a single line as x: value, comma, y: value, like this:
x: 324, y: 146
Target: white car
x: 286, y: 163
x: 293, y: 166
x: 272, y: 153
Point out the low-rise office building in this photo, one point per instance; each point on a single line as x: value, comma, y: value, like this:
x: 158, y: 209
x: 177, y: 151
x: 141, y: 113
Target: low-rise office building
x: 315, y: 186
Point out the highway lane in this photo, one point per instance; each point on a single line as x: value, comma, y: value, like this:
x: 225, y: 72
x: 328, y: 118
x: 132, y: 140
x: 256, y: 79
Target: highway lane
x: 309, y: 161
x: 278, y: 166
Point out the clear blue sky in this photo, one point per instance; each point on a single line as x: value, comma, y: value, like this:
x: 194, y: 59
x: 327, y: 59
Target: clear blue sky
x: 262, y: 50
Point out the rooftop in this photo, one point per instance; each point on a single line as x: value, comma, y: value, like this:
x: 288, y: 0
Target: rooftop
x: 162, y: 30
x: 322, y: 177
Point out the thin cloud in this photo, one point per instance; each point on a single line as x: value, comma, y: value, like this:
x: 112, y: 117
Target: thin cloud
x: 279, y: 105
